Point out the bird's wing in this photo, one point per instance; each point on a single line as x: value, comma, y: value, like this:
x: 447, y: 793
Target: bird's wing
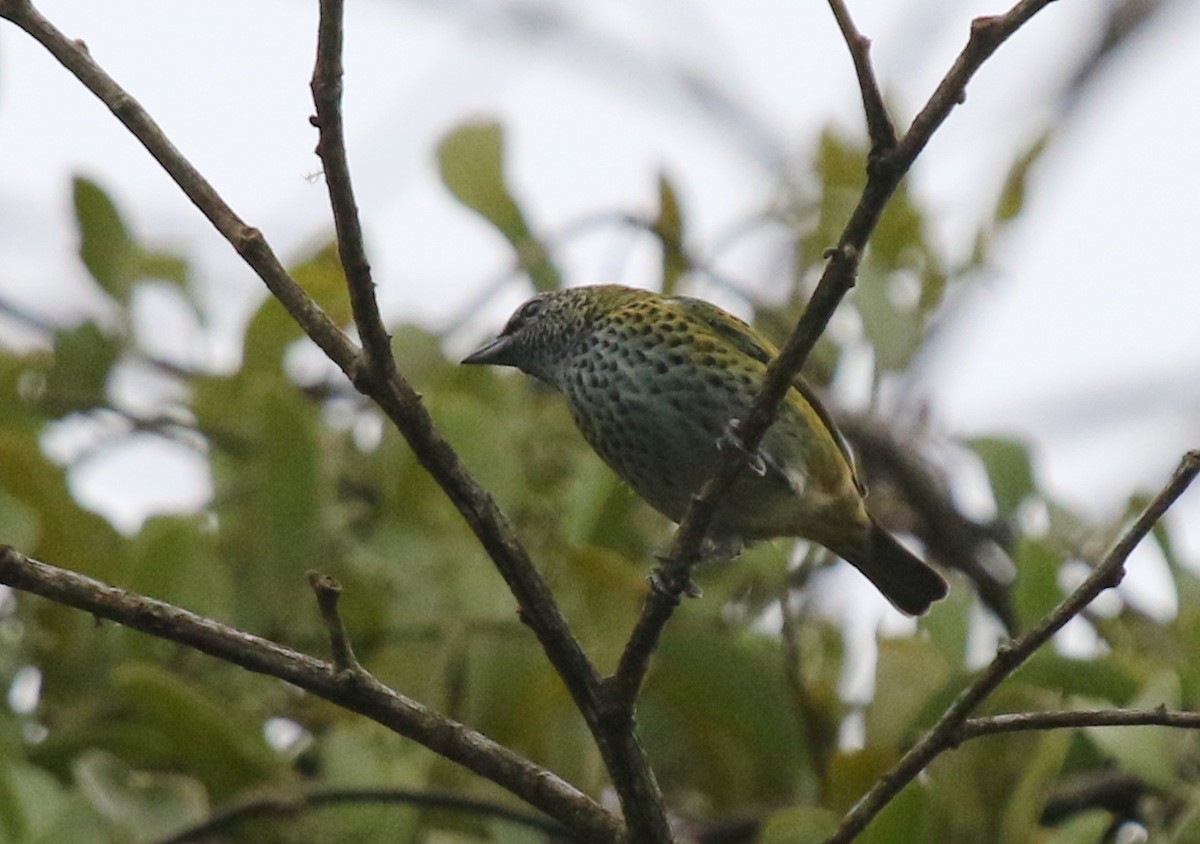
x: 749, y: 342
x: 731, y: 329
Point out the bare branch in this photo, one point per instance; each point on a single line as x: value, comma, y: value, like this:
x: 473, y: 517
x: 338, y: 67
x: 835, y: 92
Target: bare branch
x: 944, y: 733
x: 328, y: 592
x: 1017, y: 722
x: 326, y: 88
x: 355, y: 691
x: 879, y: 124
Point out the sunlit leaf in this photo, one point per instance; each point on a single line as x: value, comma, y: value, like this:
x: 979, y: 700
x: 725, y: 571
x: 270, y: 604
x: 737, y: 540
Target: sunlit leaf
x: 902, y: 821
x: 1012, y: 195
x: 1009, y: 469
x: 105, y: 245
x: 907, y: 673
x: 800, y: 825
x: 163, y: 266
x: 1148, y: 752
x: 1036, y: 591
x: 471, y: 164
x: 1026, y: 800
x: 322, y: 277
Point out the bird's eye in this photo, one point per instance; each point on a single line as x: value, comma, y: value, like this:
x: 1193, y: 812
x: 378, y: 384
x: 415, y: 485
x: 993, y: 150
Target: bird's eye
x: 526, y: 312
x: 530, y: 309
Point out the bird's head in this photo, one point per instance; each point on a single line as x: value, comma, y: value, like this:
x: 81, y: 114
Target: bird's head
x: 542, y: 333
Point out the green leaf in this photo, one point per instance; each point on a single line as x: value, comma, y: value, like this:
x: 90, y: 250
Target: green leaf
x: 1096, y: 679
x: 901, y: 821
x: 83, y: 358
x: 146, y: 805
x: 1084, y: 828
x: 1009, y: 469
x: 323, y: 279
x: 1012, y: 194
x: 948, y: 625
x: 799, y: 825
x: 30, y: 799
x: 471, y: 164
x: 670, y: 230
x: 174, y: 559
x: 193, y: 728
x: 1151, y: 753
x: 107, y: 250
x: 270, y: 494
x: 719, y: 718
x: 907, y: 672
x: 1028, y: 797
x: 517, y: 699
x: 272, y: 330
x: 1036, y: 591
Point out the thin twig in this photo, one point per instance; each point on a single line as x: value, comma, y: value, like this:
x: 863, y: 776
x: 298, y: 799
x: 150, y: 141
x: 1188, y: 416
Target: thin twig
x: 879, y: 124
x: 945, y: 732
x: 288, y: 805
x: 357, y: 692
x: 329, y: 592
x: 1016, y: 722
x: 326, y: 89
x: 890, y: 166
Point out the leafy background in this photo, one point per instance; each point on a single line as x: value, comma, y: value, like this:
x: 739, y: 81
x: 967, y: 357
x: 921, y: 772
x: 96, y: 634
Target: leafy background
x: 110, y: 736
x: 131, y: 738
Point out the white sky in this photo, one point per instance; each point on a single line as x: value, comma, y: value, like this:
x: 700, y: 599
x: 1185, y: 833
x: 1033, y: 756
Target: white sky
x: 1085, y: 341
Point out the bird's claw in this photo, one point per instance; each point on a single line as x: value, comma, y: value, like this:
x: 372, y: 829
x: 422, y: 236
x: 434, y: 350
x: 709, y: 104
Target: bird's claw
x: 731, y: 439
x: 669, y: 583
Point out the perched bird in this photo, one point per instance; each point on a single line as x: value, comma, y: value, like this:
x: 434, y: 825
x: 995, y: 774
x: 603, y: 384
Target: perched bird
x: 653, y: 383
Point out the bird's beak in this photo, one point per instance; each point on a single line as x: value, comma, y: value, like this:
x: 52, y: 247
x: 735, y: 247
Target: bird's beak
x: 494, y: 352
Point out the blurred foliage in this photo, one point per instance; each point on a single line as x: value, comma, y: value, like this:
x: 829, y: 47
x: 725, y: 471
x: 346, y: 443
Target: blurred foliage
x: 112, y: 736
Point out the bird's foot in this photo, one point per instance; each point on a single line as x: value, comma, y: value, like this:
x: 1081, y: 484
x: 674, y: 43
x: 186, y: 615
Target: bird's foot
x: 731, y: 439
x: 672, y: 579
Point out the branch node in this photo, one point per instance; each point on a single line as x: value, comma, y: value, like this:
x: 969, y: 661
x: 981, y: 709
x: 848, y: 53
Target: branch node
x: 248, y: 238
x: 328, y: 592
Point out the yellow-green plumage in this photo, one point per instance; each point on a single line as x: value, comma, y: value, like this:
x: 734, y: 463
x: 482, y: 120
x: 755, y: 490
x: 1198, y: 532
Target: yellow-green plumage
x: 653, y: 381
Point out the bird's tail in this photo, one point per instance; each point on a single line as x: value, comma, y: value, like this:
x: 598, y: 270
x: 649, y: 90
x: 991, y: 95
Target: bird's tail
x: 903, y: 578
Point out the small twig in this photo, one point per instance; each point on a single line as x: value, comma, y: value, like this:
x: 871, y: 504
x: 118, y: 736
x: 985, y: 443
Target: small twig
x: 945, y: 732
x: 329, y: 592
x: 368, y: 697
x: 326, y: 88
x: 292, y: 804
x: 1016, y: 722
x: 879, y: 124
